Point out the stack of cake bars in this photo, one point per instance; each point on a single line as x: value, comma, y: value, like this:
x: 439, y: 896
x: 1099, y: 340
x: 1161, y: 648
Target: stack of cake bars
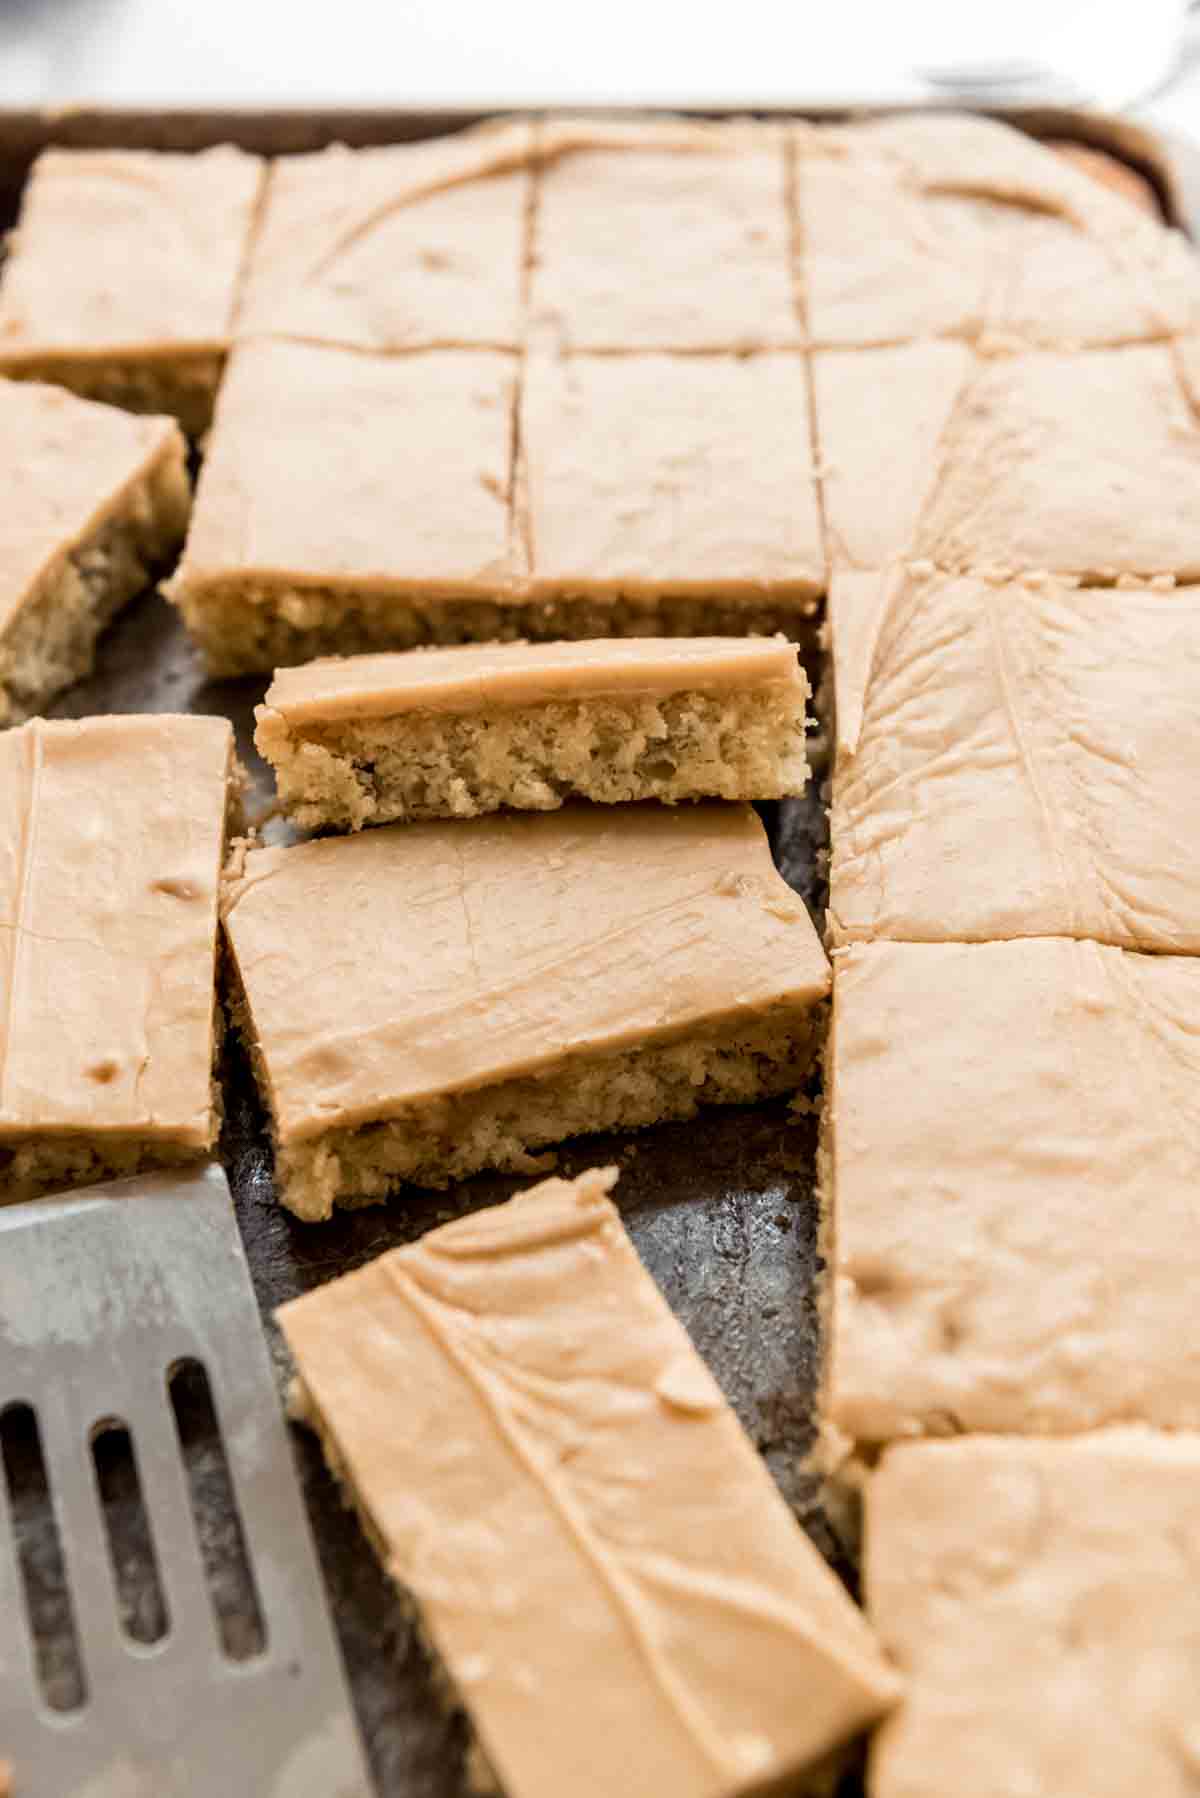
x: 562, y: 380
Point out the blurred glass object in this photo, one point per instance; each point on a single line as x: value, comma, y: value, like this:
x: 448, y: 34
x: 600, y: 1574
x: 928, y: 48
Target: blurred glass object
x: 1107, y: 54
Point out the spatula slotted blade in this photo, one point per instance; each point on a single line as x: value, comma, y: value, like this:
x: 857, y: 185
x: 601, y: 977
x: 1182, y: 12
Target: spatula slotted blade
x: 103, y: 1296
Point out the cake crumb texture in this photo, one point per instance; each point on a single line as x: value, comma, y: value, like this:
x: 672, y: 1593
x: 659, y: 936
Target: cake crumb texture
x: 460, y: 732
x: 367, y: 1032
x: 98, y: 505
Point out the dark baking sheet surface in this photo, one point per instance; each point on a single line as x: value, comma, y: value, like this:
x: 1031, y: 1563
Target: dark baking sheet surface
x: 722, y: 1209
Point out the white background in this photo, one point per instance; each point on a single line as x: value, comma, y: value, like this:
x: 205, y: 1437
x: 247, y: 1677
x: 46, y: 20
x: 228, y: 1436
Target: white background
x: 164, y: 52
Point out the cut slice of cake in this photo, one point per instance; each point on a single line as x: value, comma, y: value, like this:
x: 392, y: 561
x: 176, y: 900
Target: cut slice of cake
x: 444, y: 733
x: 112, y: 835
x: 1012, y: 1176
x: 426, y: 1000
x: 395, y: 533
x: 122, y: 277
x: 669, y: 495
x: 602, y: 1565
x: 1041, y: 1599
x: 1015, y: 758
x: 97, y: 504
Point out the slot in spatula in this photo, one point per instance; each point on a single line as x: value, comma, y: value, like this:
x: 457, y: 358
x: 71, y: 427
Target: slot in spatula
x: 104, y: 1294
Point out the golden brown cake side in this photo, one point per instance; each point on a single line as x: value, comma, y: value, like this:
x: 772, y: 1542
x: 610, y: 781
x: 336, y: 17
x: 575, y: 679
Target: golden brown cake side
x: 454, y: 733
x: 99, y: 503
x: 701, y: 977
x: 123, y: 274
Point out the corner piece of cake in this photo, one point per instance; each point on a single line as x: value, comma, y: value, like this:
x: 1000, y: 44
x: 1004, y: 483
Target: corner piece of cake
x: 445, y: 733
x: 426, y: 1000
x: 1042, y: 1600
x: 96, y: 505
x: 1011, y: 1171
x: 602, y: 1565
x: 952, y: 225
x: 122, y: 276
x: 112, y: 835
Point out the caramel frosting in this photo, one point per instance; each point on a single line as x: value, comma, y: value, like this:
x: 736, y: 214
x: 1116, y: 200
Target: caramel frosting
x: 111, y: 837
x: 127, y: 250
x: 881, y: 415
x: 602, y: 1562
x: 1015, y: 759
x: 467, y: 678
x: 1014, y: 1133
x: 409, y: 245
x: 409, y: 489
x: 1106, y: 166
x: 663, y: 236
x: 66, y: 465
x: 1083, y: 464
x: 671, y: 474
x: 1042, y: 1600
x: 420, y: 959
x: 955, y: 225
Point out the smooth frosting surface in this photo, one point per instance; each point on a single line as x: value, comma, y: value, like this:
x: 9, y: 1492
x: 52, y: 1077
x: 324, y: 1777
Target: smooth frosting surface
x: 334, y: 467
x: 881, y: 416
x: 662, y: 236
x: 408, y: 245
x: 1042, y: 1598
x: 128, y: 250
x: 1016, y: 758
x: 1015, y: 1136
x: 671, y: 474
x: 111, y: 837
x: 418, y: 959
x: 955, y: 225
x: 616, y: 1588
x: 471, y: 676
x: 66, y: 464
x: 1081, y: 464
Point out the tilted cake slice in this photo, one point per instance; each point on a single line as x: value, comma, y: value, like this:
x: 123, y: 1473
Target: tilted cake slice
x: 97, y: 504
x: 601, y: 1562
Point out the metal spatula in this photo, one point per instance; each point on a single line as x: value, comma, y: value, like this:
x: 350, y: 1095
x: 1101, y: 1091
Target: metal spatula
x: 104, y: 1296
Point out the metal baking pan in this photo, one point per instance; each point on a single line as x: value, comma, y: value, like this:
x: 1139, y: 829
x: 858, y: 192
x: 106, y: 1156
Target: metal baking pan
x: 722, y: 1209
